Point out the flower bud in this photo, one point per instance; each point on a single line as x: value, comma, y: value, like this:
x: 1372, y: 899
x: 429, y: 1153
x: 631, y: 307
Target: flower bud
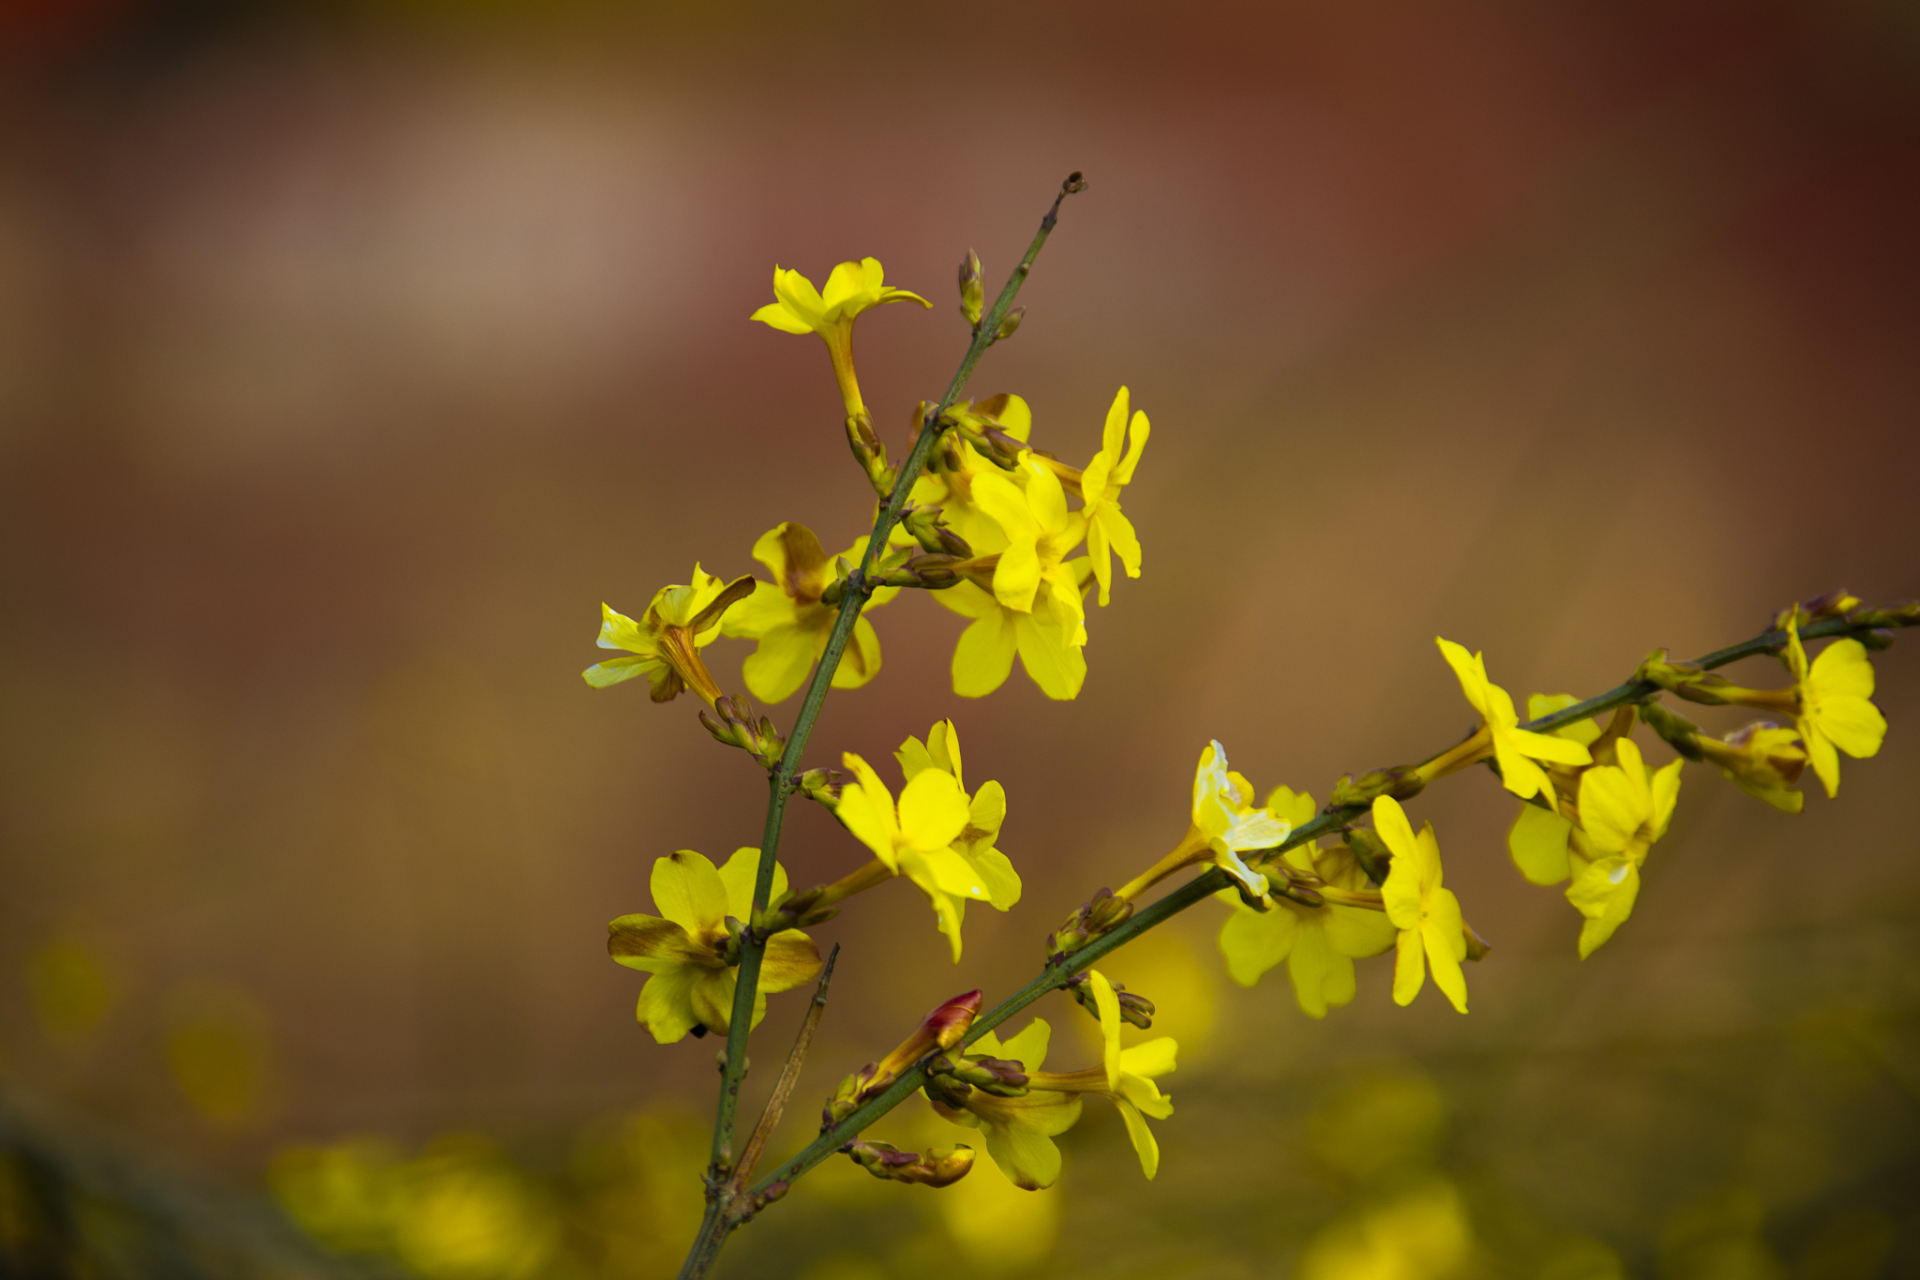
x: 939, y: 1167
x: 972, y: 296
x: 1478, y: 948
x: 1905, y: 613
x: 1010, y: 324
x: 1402, y: 782
x: 1833, y: 604
x: 1094, y: 917
x: 1001, y: 1077
x: 1678, y: 732
x: 1134, y: 1008
x: 1370, y: 851
x: 732, y: 723
x: 822, y: 786
x: 941, y: 1029
x: 929, y: 529
x: 1693, y: 682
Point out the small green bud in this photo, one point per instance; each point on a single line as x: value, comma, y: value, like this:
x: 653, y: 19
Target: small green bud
x: 1010, y: 325
x: 1135, y: 1009
x: 1001, y: 1077
x: 972, y: 297
x: 1370, y: 851
x: 1678, y: 732
x: 939, y: 1167
x: 1094, y: 917
x: 1402, y: 782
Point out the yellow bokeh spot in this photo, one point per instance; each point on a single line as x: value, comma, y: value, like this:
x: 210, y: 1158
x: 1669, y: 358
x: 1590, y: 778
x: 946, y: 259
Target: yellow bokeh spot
x: 1383, y: 1126
x: 70, y: 989
x: 1185, y: 989
x: 996, y: 1224
x: 1420, y: 1234
x: 220, y: 1055
x: 468, y: 1215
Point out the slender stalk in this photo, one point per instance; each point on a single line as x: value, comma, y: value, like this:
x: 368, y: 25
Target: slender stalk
x: 723, y: 1199
x: 790, y: 1076
x: 1055, y: 976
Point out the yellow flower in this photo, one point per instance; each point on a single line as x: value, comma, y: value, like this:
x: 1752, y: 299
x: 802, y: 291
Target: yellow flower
x: 1762, y: 759
x: 1427, y: 915
x: 916, y: 838
x: 1835, y: 708
x: 692, y: 983
x: 1624, y: 808
x: 1128, y: 1075
x: 1225, y: 825
x: 1100, y: 486
x: 1537, y: 841
x: 853, y: 287
x: 791, y: 624
x: 1019, y: 1131
x: 986, y: 812
x: 1318, y: 943
x: 1031, y: 575
x: 667, y: 640
x: 951, y: 471
x: 1049, y: 643
x: 1514, y: 749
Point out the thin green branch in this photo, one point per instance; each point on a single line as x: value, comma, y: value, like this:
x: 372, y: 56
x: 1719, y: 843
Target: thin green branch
x: 722, y: 1206
x: 1056, y: 976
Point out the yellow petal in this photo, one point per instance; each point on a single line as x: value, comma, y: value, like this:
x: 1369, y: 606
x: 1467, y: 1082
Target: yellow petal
x: 738, y: 877
x: 1537, y: 843
x: 666, y: 1004
x: 1252, y: 942
x: 933, y: 810
x: 984, y: 656
x: 688, y: 891
x: 1409, y: 967
x: 1051, y: 661
x: 1141, y: 1136
x: 1108, y: 1006
x: 1470, y: 669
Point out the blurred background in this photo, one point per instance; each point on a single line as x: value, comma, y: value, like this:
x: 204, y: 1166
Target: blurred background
x: 351, y: 355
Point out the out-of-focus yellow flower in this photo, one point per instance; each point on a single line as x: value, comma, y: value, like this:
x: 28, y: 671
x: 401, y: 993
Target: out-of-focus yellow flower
x: 791, y: 624
x: 1422, y: 1233
x: 1762, y: 759
x: 221, y: 1054
x: 686, y: 948
x: 1108, y: 529
x: 1624, y: 809
x: 1517, y: 751
x: 1020, y: 1131
x: 916, y: 838
x: 71, y: 990
x: 1225, y: 825
x: 986, y: 813
x: 1426, y: 914
x: 1318, y: 943
x: 665, y: 642
x: 1835, y: 710
x: 853, y: 287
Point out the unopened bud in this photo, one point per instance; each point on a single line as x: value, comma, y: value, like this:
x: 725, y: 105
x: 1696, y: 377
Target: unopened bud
x: 929, y: 529
x: 1001, y: 1077
x: 1010, y: 325
x: 1833, y: 604
x: 939, y: 1167
x: 1402, y: 782
x: 1678, y: 732
x: 972, y: 297
x: 1370, y: 851
x: 941, y: 1029
x: 1686, y: 679
x: 732, y: 722
x: 1134, y: 1008
x: 1478, y: 947
x: 822, y: 786
x: 1094, y: 917
x: 1905, y: 613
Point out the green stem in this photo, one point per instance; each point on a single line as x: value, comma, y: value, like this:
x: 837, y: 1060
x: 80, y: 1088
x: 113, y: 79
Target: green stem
x: 1055, y: 976
x: 721, y: 1214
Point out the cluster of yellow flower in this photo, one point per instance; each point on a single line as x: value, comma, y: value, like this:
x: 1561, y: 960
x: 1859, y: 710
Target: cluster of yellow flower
x: 983, y: 520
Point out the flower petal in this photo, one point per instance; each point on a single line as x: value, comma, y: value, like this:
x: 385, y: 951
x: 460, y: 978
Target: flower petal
x: 792, y: 959
x: 689, y: 892
x: 984, y: 656
x: 738, y: 876
x: 1537, y: 843
x: 1254, y: 941
x: 651, y: 944
x: 933, y: 810
x: 666, y: 1004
